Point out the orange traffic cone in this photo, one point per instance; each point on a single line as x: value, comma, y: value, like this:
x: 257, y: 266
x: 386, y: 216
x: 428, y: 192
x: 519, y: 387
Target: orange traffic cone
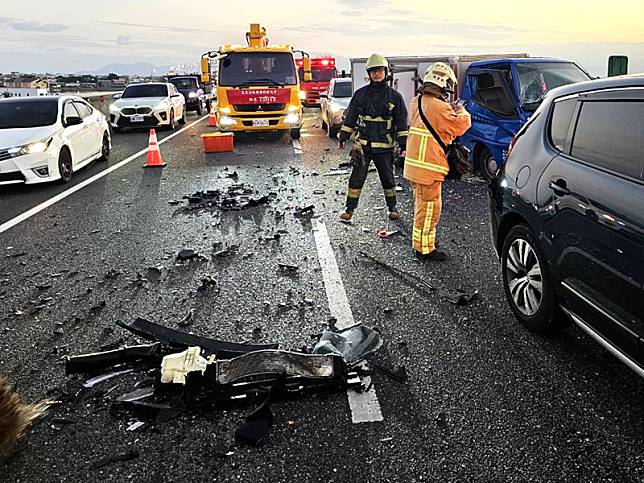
x: 212, y: 120
x: 154, y: 155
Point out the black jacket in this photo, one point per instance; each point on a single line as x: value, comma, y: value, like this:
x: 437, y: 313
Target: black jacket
x: 378, y: 116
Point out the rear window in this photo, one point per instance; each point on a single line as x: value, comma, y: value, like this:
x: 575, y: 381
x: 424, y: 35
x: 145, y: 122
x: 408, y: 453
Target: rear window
x: 185, y: 83
x: 609, y: 136
x: 561, y: 117
x: 342, y: 89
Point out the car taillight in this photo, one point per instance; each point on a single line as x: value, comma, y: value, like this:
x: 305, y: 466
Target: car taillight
x: 506, y: 153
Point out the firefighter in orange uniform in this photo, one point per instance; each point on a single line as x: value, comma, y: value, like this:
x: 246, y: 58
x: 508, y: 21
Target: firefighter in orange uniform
x: 425, y: 161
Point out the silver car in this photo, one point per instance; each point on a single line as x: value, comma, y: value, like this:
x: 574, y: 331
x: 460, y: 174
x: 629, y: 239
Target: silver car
x: 333, y: 104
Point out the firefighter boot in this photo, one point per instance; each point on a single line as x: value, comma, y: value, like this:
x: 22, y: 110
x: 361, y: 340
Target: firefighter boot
x: 393, y: 214
x: 433, y: 256
x: 346, y: 215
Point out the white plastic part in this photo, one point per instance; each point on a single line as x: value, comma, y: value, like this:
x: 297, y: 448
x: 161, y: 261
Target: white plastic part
x: 175, y: 367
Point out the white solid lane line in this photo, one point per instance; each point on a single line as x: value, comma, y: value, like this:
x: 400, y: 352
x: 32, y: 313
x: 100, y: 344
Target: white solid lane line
x: 61, y: 196
x: 365, y: 407
x: 297, y: 147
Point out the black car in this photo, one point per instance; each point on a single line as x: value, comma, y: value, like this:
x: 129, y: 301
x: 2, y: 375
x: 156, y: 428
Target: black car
x: 567, y: 215
x: 195, y: 93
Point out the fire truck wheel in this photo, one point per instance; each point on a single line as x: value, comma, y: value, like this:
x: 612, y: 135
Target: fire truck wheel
x: 295, y: 133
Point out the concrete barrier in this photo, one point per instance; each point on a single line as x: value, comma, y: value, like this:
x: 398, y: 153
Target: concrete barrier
x: 100, y: 100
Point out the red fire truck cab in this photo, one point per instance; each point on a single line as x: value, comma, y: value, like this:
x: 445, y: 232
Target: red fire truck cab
x: 323, y: 70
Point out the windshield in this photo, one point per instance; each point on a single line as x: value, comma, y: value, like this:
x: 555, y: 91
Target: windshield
x: 537, y: 79
x: 239, y: 69
x: 342, y: 89
x: 185, y: 83
x: 28, y: 113
x: 145, y: 90
x: 319, y: 74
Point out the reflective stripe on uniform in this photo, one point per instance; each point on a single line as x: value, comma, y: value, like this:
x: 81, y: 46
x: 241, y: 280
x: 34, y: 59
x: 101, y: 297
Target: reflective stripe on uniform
x: 420, y: 132
x: 354, y: 192
x: 390, y: 192
x: 402, y: 134
x: 347, y: 129
x: 428, y: 166
x: 381, y: 145
x: 422, y: 149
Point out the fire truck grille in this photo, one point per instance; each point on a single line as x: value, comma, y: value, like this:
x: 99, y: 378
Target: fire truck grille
x: 258, y: 107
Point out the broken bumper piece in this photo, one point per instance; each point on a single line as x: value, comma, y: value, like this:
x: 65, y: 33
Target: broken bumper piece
x: 181, y: 340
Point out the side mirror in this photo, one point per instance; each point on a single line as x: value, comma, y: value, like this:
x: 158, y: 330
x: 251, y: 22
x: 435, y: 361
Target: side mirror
x: 176, y: 95
x: 324, y: 95
x: 116, y: 96
x: 73, y: 121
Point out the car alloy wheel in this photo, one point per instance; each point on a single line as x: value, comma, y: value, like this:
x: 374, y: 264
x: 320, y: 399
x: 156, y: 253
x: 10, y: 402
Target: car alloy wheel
x: 171, y: 122
x: 488, y: 165
x: 105, y: 148
x: 524, y: 277
x: 65, y: 166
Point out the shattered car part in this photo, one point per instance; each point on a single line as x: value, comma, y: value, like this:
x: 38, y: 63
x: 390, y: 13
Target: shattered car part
x: 181, y: 340
x: 462, y: 298
x: 256, y: 425
x: 127, y: 456
x: 354, y: 344
x: 103, y: 360
x: 277, y: 362
x: 407, y: 277
x: 236, y: 198
x: 386, y: 233
x: 105, y: 377
x: 175, y: 367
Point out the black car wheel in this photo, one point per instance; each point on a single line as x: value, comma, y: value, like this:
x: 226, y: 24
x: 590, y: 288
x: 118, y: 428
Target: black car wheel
x: 527, y: 282
x: 65, y: 166
x: 487, y: 164
x: 199, y: 108
x: 105, y: 148
x: 183, y: 116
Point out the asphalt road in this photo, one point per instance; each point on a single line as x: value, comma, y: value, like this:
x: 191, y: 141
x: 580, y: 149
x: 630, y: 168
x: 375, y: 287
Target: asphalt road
x: 485, y: 399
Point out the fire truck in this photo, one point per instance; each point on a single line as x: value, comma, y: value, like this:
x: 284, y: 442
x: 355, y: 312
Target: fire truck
x: 322, y: 71
x: 258, y: 87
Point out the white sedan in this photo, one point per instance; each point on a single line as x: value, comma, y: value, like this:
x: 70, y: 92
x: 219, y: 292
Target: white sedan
x: 333, y: 103
x: 148, y: 105
x: 47, y: 138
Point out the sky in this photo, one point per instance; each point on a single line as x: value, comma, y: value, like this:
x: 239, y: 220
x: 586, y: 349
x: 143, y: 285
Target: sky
x: 78, y: 35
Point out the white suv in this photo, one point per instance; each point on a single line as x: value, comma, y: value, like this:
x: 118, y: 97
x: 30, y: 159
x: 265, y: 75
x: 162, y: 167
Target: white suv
x: 148, y: 105
x: 47, y: 138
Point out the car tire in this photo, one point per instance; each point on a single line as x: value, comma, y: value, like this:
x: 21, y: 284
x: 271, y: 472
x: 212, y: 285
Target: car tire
x: 183, y: 117
x: 295, y: 133
x: 65, y: 166
x: 528, y: 284
x: 199, y: 108
x: 171, y: 123
x: 488, y: 166
x: 105, y: 148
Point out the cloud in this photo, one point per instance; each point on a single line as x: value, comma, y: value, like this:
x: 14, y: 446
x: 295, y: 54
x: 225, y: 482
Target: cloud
x: 30, y: 25
x: 124, y: 40
x: 163, y: 28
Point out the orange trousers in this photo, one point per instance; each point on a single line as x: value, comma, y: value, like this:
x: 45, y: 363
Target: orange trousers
x: 427, y: 211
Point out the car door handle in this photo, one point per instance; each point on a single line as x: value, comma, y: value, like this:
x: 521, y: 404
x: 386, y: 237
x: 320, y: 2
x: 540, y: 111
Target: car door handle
x: 560, y: 187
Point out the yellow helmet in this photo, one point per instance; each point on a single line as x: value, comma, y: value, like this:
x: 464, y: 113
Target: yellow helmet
x: 441, y: 75
x: 375, y: 61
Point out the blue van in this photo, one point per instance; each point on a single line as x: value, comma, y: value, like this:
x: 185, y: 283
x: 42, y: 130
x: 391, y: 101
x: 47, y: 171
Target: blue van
x: 501, y: 95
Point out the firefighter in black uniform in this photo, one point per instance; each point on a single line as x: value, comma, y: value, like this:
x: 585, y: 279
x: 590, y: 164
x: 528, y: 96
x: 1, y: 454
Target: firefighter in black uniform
x: 376, y: 117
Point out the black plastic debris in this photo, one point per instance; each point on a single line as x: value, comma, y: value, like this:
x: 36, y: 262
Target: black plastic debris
x: 409, y: 278
x: 287, y: 267
x: 137, y: 395
x: 256, y: 426
x: 99, y: 361
x: 398, y: 375
x: 186, y: 254
x: 235, y: 198
x: 305, y: 211
x: 354, y: 344
x: 187, y: 319
x: 462, y: 298
x: 127, y: 456
x: 181, y: 340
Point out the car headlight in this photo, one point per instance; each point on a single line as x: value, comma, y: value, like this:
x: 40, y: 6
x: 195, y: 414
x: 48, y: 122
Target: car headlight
x: 302, y: 95
x: 292, y: 119
x: 192, y: 95
x: 293, y: 108
x: 224, y: 110
x: 227, y: 121
x: 37, y: 147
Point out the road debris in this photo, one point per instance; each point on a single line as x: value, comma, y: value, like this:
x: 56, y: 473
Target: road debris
x: 354, y: 344
x: 105, y: 377
x: 336, y: 172
x: 256, y: 425
x: 235, y: 198
x: 462, y: 298
x: 398, y: 375
x: 411, y: 279
x: 387, y: 234
x: 127, y: 456
x: 188, y: 318
x: 287, y: 267
x: 186, y: 254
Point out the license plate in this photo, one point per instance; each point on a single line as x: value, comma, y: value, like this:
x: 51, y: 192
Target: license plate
x: 260, y: 122
x: 137, y: 118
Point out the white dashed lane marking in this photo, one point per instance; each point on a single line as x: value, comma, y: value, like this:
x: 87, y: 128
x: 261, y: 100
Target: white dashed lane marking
x: 365, y: 407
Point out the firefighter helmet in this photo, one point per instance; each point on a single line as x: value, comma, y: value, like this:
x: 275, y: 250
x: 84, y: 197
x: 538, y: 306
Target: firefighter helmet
x: 375, y: 61
x: 441, y: 75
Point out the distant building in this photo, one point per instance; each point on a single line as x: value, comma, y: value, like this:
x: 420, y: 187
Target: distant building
x: 25, y: 87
